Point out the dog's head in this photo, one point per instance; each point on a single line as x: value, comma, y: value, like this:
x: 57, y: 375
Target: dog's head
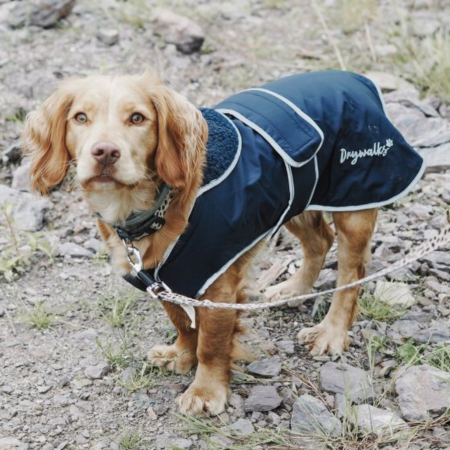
x: 119, y: 132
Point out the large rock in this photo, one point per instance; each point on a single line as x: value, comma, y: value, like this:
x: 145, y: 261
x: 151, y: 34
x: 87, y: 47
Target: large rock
x: 42, y: 13
x: 439, y: 260
x: 21, y: 176
x: 262, y: 398
x: 10, y: 443
x: 185, y: 34
x: 242, y: 427
x: 437, y: 158
x: 28, y: 212
x: 270, y: 367
x: 437, y: 332
x: 376, y: 420
x: 310, y: 417
x: 387, y: 81
x: 345, y: 379
x: 394, y: 293
x: 419, y: 130
x: 423, y: 391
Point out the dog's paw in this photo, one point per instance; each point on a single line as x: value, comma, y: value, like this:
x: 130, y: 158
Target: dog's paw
x: 286, y: 289
x: 204, y: 400
x: 172, y: 358
x: 324, y: 339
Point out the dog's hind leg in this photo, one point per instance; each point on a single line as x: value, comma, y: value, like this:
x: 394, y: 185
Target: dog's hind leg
x: 316, y: 238
x: 181, y: 356
x: 354, y: 230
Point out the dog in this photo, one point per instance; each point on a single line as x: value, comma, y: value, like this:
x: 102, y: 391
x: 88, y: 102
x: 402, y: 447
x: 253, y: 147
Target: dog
x: 198, y: 192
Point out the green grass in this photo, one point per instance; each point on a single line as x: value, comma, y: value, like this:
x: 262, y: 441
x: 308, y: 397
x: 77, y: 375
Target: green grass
x: 116, y: 310
x: 130, y: 440
x: 143, y: 379
x: 39, y: 317
x: 373, y: 308
x: 118, y: 355
x: 411, y: 353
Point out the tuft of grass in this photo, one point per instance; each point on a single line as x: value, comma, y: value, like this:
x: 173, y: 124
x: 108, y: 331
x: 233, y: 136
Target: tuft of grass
x: 373, y: 308
x: 118, y: 356
x: 130, y: 440
x: 39, y: 317
x: 115, y: 310
x: 354, y: 14
x: 439, y: 357
x: 143, y: 379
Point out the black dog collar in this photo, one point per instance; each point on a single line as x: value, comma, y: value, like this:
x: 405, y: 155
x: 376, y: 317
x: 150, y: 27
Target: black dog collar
x: 144, y: 223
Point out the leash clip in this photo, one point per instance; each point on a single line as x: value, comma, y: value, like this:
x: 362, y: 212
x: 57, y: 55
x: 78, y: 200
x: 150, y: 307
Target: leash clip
x: 133, y: 256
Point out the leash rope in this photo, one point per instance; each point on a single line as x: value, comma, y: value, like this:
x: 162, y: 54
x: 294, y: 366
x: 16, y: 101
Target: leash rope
x: 443, y: 238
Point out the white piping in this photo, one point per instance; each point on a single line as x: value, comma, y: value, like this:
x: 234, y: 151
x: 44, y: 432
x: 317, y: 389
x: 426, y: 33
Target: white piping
x: 316, y: 170
x: 233, y: 164
x: 291, y: 200
x: 224, y: 268
x: 201, y: 191
x: 266, y: 136
x: 369, y: 205
x: 383, y: 104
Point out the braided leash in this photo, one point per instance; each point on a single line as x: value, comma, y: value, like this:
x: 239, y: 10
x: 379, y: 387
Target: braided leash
x: 188, y: 304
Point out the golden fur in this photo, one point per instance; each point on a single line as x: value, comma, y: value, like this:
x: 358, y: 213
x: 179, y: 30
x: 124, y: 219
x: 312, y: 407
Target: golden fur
x: 169, y: 145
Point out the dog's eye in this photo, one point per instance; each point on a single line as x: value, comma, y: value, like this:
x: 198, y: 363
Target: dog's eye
x: 81, y: 118
x: 136, y: 118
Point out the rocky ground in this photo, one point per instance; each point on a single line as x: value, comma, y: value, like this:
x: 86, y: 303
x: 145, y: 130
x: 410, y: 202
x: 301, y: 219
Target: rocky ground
x: 73, y: 335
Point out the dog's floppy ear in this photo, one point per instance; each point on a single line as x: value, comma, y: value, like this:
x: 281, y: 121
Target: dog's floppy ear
x: 182, y: 134
x: 44, y: 140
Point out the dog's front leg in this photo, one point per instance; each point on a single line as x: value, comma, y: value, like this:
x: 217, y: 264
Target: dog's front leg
x: 209, y: 392
x: 179, y: 357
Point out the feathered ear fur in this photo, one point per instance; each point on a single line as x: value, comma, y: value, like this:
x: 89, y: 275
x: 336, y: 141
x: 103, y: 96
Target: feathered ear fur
x: 44, y: 139
x: 182, y: 133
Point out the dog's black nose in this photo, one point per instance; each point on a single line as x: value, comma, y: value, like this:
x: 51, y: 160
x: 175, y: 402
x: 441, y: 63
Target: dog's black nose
x: 106, y: 153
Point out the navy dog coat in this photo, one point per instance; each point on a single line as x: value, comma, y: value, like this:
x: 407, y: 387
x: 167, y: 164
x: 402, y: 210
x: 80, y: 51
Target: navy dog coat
x: 316, y: 141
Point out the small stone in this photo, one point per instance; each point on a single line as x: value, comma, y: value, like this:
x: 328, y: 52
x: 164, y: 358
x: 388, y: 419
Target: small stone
x: 346, y: 379
x: 436, y: 332
x: 187, y: 36
x: 42, y: 13
x: 43, y: 389
x: 265, y: 367
x: 151, y: 413
x: 311, y: 417
x: 171, y: 441
x: 73, y: 250
x: 376, y: 420
x: 98, y: 371
x: 433, y: 397
x: 108, y: 36
x: 262, y: 398
x: 9, y: 443
x: 236, y: 401
x: 242, y: 427
x: 394, y: 293
x: 21, y: 176
x: 13, y: 153
x: 221, y: 441
x: 94, y: 245
x: 286, y: 347
x: 387, y: 81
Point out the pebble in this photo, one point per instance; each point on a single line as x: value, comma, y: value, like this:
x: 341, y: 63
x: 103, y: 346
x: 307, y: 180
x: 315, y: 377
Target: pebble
x: 433, y: 397
x: 171, y: 441
x: 242, y: 427
x: 187, y: 35
x: 108, y: 36
x: 375, y: 420
x: 310, y: 417
x: 262, y: 398
x: 73, y: 250
x: 265, y: 367
x: 98, y: 371
x: 346, y: 379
